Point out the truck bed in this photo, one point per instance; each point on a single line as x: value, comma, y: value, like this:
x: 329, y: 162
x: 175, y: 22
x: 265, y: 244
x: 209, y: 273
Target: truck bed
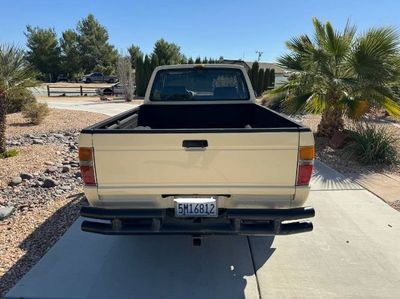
x: 187, y: 118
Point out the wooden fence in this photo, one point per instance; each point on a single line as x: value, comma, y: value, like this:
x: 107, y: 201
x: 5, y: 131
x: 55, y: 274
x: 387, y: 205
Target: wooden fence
x: 78, y: 90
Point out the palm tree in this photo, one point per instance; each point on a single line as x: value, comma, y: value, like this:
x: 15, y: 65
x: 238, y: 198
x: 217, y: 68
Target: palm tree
x: 16, y: 76
x: 337, y: 74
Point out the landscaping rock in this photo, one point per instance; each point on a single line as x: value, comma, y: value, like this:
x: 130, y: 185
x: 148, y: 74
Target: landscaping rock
x: 38, y: 141
x: 26, y: 176
x: 66, y: 168
x: 51, y: 169
x: 5, y: 212
x: 16, y: 181
x: 49, y: 183
x: 39, y: 187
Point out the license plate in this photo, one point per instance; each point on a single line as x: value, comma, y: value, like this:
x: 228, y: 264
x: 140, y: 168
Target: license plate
x: 196, y: 207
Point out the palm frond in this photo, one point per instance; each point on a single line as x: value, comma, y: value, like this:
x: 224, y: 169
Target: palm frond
x: 16, y: 75
x: 291, y: 62
x: 354, y: 108
x: 296, y: 104
x: 375, y: 54
x: 392, y: 107
x: 316, y: 104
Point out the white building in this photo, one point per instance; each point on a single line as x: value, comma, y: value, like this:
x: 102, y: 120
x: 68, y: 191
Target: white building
x: 281, y: 74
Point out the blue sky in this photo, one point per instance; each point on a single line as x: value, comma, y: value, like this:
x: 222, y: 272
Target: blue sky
x: 231, y: 28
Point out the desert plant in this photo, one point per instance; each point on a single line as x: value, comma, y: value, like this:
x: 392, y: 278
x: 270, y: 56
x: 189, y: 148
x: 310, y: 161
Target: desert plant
x: 35, y: 112
x: 16, y: 76
x: 273, y: 102
x: 337, y: 73
x: 8, y: 154
x: 125, y: 75
x: 15, y: 103
x: 372, y: 144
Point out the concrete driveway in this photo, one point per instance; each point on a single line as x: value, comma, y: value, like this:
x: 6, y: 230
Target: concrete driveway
x: 108, y: 108
x: 353, y: 252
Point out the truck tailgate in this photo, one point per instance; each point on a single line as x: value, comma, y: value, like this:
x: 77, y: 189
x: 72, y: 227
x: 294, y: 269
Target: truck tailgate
x: 232, y: 163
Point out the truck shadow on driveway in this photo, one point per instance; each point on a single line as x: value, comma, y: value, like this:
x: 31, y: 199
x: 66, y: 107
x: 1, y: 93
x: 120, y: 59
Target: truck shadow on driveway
x: 84, y: 265
x: 169, y: 267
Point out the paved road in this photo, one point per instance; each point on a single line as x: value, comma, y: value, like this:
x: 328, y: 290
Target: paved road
x: 353, y: 252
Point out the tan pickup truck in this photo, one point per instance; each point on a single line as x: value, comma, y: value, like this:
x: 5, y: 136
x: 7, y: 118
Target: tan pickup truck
x: 198, y: 157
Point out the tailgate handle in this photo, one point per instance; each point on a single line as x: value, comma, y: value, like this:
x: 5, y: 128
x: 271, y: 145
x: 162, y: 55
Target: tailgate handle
x: 195, y: 143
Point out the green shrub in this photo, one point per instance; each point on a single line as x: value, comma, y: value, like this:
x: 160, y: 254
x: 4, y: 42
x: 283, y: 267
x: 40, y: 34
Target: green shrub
x: 274, y: 102
x: 17, y: 102
x: 372, y: 144
x: 9, y: 154
x: 35, y: 112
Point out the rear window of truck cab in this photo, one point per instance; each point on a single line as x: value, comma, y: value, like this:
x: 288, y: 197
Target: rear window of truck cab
x: 197, y: 84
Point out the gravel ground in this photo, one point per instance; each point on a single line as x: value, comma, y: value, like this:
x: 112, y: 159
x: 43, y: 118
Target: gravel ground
x: 30, y: 158
x: 58, y: 120
x: 27, y: 236
x: 47, y: 191
x: 336, y: 158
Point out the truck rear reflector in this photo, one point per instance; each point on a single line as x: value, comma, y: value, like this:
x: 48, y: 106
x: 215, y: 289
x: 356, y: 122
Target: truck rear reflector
x: 306, y: 153
x: 305, y: 165
x: 304, y: 174
x: 87, y: 166
x: 86, y: 154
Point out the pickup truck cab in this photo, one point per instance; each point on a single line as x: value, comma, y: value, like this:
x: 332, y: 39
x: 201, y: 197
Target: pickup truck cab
x: 198, y: 157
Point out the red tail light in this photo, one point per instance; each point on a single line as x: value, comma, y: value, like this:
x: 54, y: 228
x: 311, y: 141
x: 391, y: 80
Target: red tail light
x: 304, y: 174
x: 87, y: 166
x: 305, y: 165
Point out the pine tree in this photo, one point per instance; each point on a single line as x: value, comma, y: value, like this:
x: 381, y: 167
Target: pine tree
x: 260, y: 82
x: 198, y: 60
x: 139, y: 78
x: 272, y: 78
x: 266, y: 79
x: 167, y: 53
x: 190, y: 61
x: 96, y: 53
x: 70, y: 57
x: 254, y: 75
x: 183, y: 60
x: 43, y: 51
x: 147, y: 71
x: 135, y: 53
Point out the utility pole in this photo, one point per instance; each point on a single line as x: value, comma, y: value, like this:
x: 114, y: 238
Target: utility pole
x: 259, y: 54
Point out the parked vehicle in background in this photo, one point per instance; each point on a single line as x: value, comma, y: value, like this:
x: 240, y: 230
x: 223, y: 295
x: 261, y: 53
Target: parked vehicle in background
x: 198, y: 157
x: 98, y: 77
x: 62, y: 78
x: 115, y: 89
